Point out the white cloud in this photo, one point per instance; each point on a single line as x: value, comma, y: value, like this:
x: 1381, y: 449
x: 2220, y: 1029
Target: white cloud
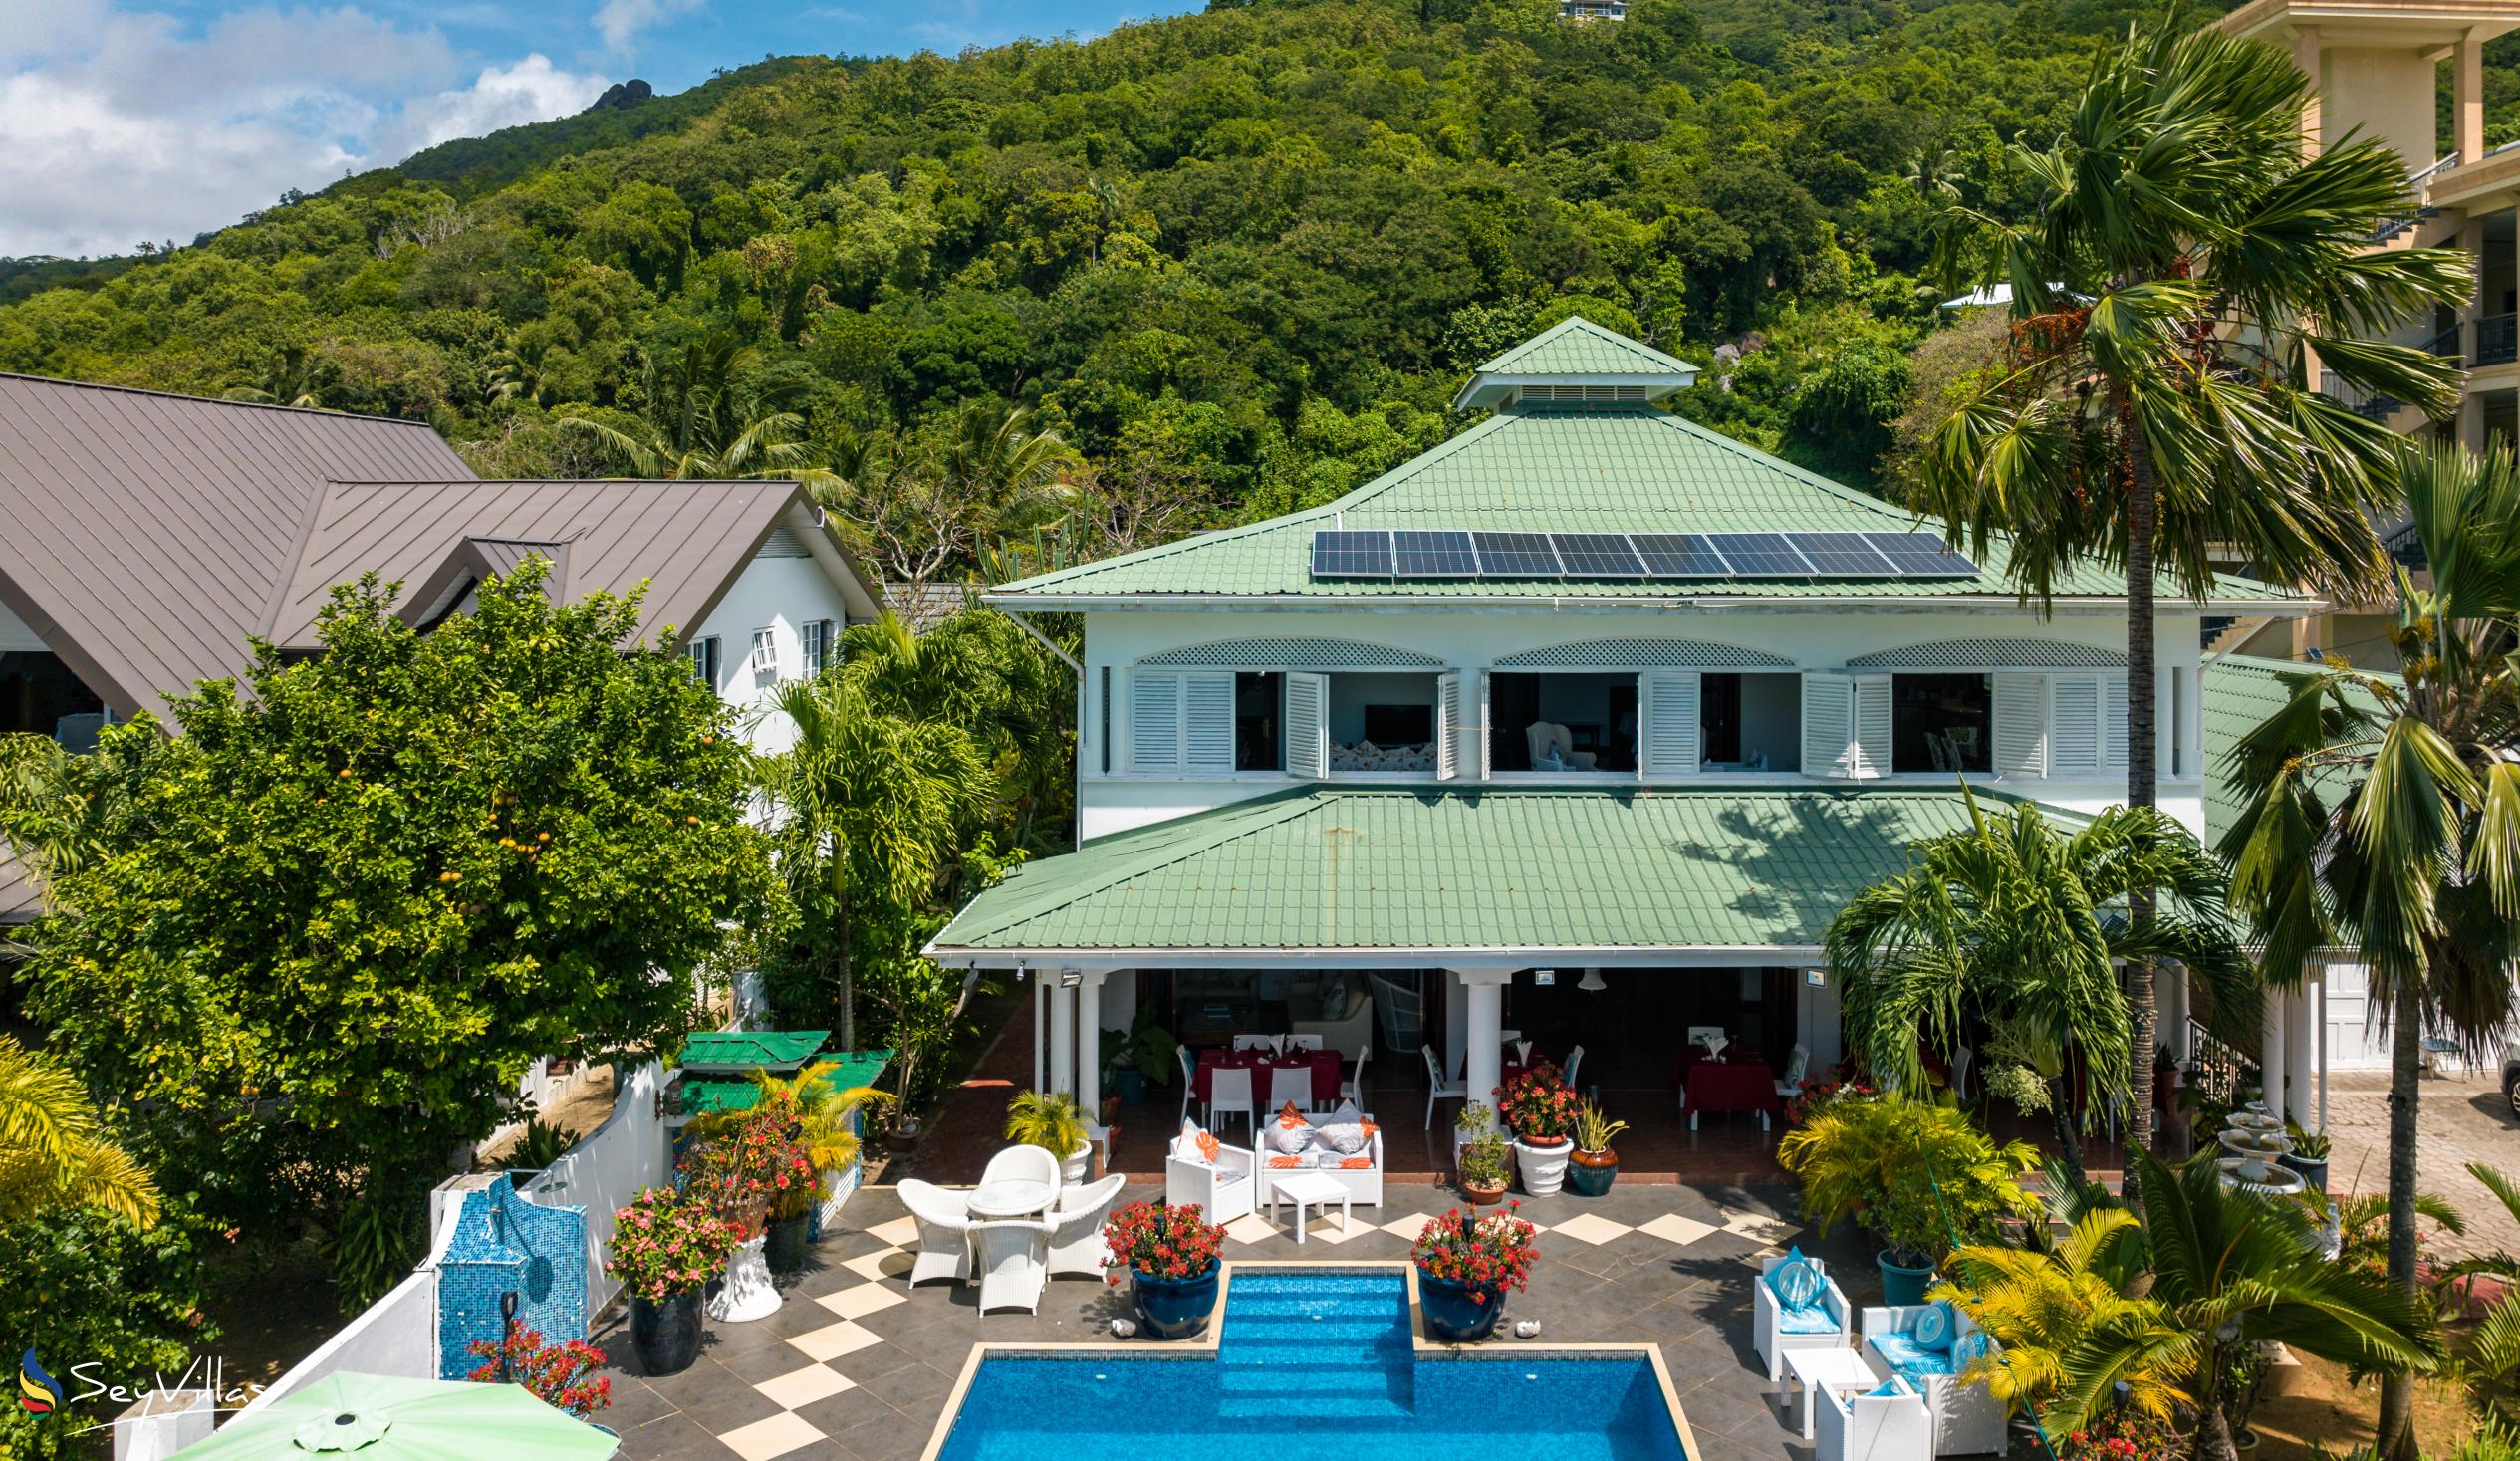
x: 621, y: 21
x: 118, y: 126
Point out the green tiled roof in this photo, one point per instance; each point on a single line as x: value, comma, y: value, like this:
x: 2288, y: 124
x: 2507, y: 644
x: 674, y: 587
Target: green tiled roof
x: 744, y: 1051
x: 702, y: 1093
x: 1577, y: 347
x: 2242, y: 691
x: 1575, y: 468
x: 1381, y: 867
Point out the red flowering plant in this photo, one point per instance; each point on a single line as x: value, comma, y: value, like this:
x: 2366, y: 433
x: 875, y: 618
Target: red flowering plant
x: 2123, y: 1436
x: 1161, y: 1241
x: 1538, y: 1107
x: 753, y: 1167
x: 1486, y: 1254
x: 562, y: 1374
x: 666, y: 1244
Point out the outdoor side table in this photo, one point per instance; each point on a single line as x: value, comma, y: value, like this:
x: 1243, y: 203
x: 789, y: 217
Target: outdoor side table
x: 1312, y: 1188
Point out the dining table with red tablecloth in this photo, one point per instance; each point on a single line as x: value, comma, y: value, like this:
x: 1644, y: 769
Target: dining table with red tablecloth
x: 1743, y: 1083
x: 1262, y: 1065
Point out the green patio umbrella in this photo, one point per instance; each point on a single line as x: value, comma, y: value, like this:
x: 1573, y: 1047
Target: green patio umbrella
x: 375, y: 1417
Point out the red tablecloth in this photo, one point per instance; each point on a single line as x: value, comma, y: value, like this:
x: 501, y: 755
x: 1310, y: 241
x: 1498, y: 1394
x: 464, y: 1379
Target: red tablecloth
x: 1325, y: 1063
x: 1731, y: 1086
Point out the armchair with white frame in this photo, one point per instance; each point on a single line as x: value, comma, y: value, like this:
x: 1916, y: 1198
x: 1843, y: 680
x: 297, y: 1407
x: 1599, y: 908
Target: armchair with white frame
x: 1826, y: 1322
x: 1857, y: 1425
x: 1225, y: 1188
x: 1968, y: 1418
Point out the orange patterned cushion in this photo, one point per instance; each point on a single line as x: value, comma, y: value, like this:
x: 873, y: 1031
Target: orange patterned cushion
x: 1282, y: 1163
x: 1356, y: 1163
x: 1291, y: 1118
x: 1370, y: 1130
x: 1209, y: 1146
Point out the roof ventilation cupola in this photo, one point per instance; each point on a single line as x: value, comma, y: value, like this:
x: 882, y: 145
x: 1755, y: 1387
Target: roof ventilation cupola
x: 1575, y: 360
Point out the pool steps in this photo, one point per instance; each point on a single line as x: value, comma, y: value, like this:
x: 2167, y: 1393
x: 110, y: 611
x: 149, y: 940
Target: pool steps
x: 1317, y: 1345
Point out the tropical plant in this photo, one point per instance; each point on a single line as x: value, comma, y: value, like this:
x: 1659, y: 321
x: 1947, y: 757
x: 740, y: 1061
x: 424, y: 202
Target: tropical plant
x: 698, y: 429
x: 977, y: 670
x: 79, y: 1286
x: 869, y: 808
x: 2048, y: 1308
x: 995, y: 460
x: 2383, y: 812
x: 2183, y: 254
x: 1049, y: 1121
x: 822, y: 1114
x: 1161, y: 1241
x: 2015, y: 922
x: 562, y: 1376
x: 537, y: 1147
x: 1917, y: 1174
x: 666, y: 1244
x: 1485, y: 1253
x: 1145, y: 1047
x: 1481, y: 1152
x: 57, y: 809
x: 1538, y: 1107
x: 1594, y: 1132
x: 296, y: 377
x: 2488, y: 1368
x: 754, y: 1167
x: 54, y: 1152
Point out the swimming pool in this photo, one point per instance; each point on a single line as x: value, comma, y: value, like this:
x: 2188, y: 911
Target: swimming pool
x: 1313, y: 1362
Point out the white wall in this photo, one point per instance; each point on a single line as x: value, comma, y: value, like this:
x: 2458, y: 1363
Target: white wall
x: 14, y: 634
x: 396, y: 1336
x: 605, y: 1170
x: 1473, y: 639
x: 779, y: 594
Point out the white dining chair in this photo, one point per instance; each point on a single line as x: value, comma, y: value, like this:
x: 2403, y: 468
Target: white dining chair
x: 1076, y: 1226
x: 1022, y: 1165
x: 1291, y: 1082
x: 1353, y: 1089
x: 1229, y: 1090
x: 1255, y: 1042
x: 1013, y: 1259
x: 1508, y: 1036
x: 1189, y: 1069
x: 1439, y: 1089
x: 944, y: 1231
x: 1307, y: 1040
x: 1574, y: 1063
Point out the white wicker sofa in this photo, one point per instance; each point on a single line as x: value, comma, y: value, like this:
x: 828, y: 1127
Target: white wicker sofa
x: 1317, y: 1157
x: 1968, y: 1418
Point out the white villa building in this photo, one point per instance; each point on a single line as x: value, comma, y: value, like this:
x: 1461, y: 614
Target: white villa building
x: 1582, y: 724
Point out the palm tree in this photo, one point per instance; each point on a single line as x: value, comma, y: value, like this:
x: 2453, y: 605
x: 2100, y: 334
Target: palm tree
x: 697, y: 425
x: 2183, y: 261
x: 867, y: 810
x: 2490, y: 1369
x: 2050, y: 1309
x: 2383, y: 812
x: 978, y: 671
x: 1008, y: 471
x: 2018, y: 923
x: 823, y: 1107
x: 296, y: 377
x: 53, y: 1150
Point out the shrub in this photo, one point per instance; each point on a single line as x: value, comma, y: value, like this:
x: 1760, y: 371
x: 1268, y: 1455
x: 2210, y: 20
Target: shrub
x: 666, y: 1244
x: 1917, y: 1174
x: 754, y: 1167
x: 1162, y: 1240
x: 79, y: 1287
x: 563, y: 1375
x: 1490, y: 1254
x: 1538, y: 1105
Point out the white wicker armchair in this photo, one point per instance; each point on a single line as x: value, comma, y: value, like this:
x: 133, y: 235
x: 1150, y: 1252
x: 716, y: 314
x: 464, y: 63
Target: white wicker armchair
x: 1013, y: 1259
x: 1968, y: 1418
x: 1773, y: 1331
x: 944, y: 1230
x: 1075, y: 1227
x: 1224, y: 1189
x: 1856, y: 1425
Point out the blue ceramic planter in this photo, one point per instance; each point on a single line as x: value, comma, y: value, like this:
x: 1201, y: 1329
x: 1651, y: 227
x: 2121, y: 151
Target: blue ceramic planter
x: 1452, y: 1315
x: 1176, y: 1309
x: 1901, y: 1284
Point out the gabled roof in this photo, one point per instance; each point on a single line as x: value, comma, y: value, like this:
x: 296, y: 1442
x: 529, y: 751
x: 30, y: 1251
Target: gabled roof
x: 1408, y: 870
x: 1541, y: 467
x: 1577, y: 347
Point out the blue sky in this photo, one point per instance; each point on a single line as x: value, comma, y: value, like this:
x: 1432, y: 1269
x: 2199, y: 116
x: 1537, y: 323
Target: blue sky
x: 125, y: 120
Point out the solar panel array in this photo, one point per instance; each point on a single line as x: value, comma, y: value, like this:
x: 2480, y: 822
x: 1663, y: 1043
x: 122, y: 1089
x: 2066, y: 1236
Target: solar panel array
x: 1420, y: 553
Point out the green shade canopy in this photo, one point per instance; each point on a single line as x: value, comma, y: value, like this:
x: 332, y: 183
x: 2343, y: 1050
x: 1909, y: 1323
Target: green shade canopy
x: 375, y: 1417
x: 703, y: 1094
x: 745, y: 1051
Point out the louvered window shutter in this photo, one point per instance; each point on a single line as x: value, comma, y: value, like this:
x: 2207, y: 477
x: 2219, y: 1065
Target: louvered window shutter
x: 1870, y: 751
x: 2074, y: 731
x: 2114, y: 722
x: 1154, y: 720
x: 1307, y: 725
x: 1828, y: 724
x: 1207, y: 719
x: 1449, y: 725
x: 2021, y: 725
x: 1669, y: 723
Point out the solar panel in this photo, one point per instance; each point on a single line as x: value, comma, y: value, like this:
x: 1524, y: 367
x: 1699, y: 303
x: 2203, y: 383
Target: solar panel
x: 1421, y: 554
x: 1516, y: 554
x: 1922, y: 555
x: 1338, y: 554
x: 1760, y: 554
x: 1679, y: 555
x: 1598, y: 556
x: 1842, y: 555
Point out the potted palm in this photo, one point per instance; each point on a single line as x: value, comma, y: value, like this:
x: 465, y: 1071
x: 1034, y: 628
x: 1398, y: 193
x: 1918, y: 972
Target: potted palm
x: 1141, y: 1055
x: 1056, y: 1125
x: 822, y: 1119
x: 2309, y: 1157
x: 1481, y: 1157
x: 1172, y: 1256
x: 1465, y: 1268
x: 664, y: 1248
x: 1539, y: 1107
x: 1916, y: 1174
x: 1593, y: 1166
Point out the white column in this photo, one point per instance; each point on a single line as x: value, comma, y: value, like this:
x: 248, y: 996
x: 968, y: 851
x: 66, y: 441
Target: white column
x: 1041, y: 1025
x: 1456, y: 1021
x: 2271, y: 1049
x: 1484, y: 995
x: 2169, y: 990
x: 1090, y: 1045
x: 1062, y: 1038
x: 2301, y: 1053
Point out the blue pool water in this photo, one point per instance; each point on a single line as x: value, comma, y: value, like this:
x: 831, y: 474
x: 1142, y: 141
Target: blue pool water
x: 1313, y: 1364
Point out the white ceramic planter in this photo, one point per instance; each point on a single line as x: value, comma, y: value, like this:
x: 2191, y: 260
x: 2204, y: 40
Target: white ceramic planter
x: 1543, y: 1168
x: 747, y: 1294
x: 1073, y: 1169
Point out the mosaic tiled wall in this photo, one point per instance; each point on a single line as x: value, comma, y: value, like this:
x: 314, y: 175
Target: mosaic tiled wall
x: 503, y: 1244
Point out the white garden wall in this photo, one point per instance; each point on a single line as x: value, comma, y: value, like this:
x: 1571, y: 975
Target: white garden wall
x: 606, y: 1168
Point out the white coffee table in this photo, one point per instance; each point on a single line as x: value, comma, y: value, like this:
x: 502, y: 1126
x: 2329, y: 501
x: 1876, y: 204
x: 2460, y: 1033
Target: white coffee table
x: 1812, y: 1369
x: 1312, y: 1188
x: 1010, y: 1197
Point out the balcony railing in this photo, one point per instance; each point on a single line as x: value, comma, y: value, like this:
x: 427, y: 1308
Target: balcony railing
x: 2497, y: 338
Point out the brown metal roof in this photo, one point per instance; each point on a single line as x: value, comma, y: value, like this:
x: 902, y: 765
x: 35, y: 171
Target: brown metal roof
x: 149, y: 535
x: 18, y: 898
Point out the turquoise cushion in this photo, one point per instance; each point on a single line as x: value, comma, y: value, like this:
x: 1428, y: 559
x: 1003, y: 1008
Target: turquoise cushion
x: 1811, y: 1318
x: 1970, y: 1348
x: 1795, y: 1282
x: 1911, y: 1360
x: 1936, y: 1328
x: 1886, y: 1387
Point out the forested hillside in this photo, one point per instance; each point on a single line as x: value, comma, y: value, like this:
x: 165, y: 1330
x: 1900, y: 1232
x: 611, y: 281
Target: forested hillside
x: 1237, y: 261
